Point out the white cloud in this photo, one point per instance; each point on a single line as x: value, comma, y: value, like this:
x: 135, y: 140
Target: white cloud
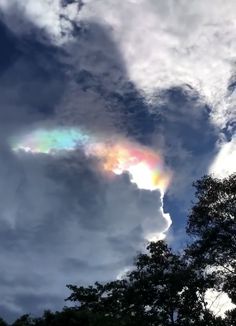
x: 164, y: 43
x: 224, y: 163
x: 169, y: 43
x: 45, y: 14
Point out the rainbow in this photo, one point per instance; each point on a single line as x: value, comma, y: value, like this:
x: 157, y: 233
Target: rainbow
x: 144, y: 165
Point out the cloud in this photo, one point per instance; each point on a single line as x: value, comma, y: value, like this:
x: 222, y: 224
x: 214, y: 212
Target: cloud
x: 49, y: 16
x: 164, y: 44
x: 57, y: 211
x: 174, y: 43
x: 63, y: 222
x: 32, y: 82
x: 224, y: 163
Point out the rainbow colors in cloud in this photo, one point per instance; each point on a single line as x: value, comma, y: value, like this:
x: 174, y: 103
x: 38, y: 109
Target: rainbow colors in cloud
x: 145, y: 166
x: 49, y: 141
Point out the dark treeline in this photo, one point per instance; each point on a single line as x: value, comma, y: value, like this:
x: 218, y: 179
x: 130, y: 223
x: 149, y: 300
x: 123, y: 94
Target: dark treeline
x: 165, y: 288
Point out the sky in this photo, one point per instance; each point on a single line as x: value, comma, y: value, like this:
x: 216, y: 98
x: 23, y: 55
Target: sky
x: 109, y: 110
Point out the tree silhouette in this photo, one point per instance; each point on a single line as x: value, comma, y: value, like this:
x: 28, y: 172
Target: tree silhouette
x: 2, y: 322
x: 24, y: 320
x: 163, y: 289
x: 212, y: 223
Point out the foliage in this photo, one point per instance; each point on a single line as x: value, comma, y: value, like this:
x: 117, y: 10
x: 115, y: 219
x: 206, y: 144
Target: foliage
x: 212, y: 223
x: 2, y: 322
x: 162, y: 290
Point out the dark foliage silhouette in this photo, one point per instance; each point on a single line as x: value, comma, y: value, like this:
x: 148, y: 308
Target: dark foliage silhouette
x: 213, y: 226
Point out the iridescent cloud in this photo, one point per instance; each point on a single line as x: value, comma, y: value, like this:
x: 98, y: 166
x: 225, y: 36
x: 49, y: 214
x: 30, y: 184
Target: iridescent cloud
x: 145, y: 166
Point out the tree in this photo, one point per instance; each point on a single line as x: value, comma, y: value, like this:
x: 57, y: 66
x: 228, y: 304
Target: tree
x: 212, y: 220
x: 71, y: 317
x: 212, y: 224
x: 161, y: 290
x: 24, y: 320
x: 169, y: 289
x: 2, y: 322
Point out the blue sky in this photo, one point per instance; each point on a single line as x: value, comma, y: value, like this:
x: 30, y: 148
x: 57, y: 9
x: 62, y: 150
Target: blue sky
x: 160, y: 74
